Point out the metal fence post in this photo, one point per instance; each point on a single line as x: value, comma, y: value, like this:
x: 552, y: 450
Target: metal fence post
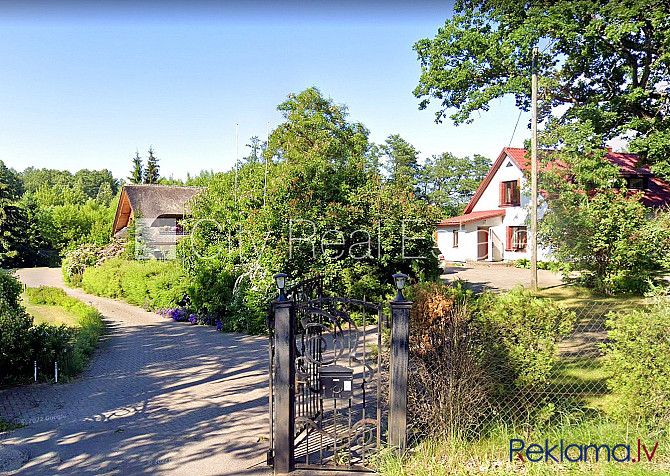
x: 284, y: 386
x: 399, y: 363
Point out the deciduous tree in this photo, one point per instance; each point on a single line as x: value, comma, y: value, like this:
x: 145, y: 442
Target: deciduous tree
x: 449, y: 182
x: 605, y: 62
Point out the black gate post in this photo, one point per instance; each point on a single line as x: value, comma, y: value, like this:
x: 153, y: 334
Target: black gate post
x: 399, y: 362
x: 284, y: 386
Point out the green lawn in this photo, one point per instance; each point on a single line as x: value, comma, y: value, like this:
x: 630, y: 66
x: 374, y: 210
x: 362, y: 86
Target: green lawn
x: 55, y: 315
x: 578, y: 298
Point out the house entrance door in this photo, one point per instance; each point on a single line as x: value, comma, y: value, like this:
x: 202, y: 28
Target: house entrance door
x: 482, y: 244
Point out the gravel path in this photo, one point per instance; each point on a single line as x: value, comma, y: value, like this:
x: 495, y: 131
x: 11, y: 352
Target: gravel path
x: 498, y: 276
x: 158, y: 397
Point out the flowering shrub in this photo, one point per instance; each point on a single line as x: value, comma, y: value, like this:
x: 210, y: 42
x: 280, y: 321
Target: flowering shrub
x: 181, y: 314
x: 77, y: 260
x: 88, y: 255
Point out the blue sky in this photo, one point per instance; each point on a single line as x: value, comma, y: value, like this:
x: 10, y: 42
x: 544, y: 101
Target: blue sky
x: 83, y: 85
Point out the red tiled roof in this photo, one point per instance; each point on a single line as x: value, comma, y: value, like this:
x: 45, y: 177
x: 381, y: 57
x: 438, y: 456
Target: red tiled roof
x: 627, y: 163
x: 658, y: 193
x: 472, y: 217
x: 512, y: 152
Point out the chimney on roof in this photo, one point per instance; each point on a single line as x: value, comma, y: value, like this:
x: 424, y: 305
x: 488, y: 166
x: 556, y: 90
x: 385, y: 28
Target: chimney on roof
x: 609, y: 149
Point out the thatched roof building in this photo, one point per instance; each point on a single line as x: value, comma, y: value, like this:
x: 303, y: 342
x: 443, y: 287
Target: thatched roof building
x: 151, y: 202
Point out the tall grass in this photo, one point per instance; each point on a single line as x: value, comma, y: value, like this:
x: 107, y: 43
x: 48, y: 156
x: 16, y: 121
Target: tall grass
x: 490, y: 454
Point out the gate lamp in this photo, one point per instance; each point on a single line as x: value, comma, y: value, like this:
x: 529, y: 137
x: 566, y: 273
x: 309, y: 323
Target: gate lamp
x: 399, y: 282
x: 280, y: 279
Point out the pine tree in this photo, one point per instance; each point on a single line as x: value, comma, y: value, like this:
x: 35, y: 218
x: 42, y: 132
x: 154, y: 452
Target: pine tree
x: 151, y: 174
x: 137, y: 173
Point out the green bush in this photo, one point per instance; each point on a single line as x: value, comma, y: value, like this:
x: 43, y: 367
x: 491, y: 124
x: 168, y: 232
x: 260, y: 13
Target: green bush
x: 608, y: 237
x: 51, y: 344
x: 638, y: 360
x: 211, y: 290
x: 15, y: 324
x: 151, y: 284
x: 478, y: 357
x: 548, y: 265
x: 520, y: 333
x: 70, y: 346
x: 21, y: 343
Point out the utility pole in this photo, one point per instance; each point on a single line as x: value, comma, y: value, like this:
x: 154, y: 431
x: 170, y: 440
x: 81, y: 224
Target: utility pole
x: 237, y: 157
x: 533, y: 180
x: 267, y: 147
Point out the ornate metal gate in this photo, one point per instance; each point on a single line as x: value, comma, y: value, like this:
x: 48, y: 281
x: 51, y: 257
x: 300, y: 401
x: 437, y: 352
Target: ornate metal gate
x: 337, y: 416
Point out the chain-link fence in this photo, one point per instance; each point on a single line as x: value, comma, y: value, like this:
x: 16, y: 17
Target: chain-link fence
x: 468, y: 375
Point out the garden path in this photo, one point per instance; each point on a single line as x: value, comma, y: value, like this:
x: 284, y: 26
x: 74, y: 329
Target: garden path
x: 498, y: 276
x: 158, y: 397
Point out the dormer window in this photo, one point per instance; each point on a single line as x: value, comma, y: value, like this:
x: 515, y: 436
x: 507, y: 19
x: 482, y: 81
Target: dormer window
x: 510, y: 193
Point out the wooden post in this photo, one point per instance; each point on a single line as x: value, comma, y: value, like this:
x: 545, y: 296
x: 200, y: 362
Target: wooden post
x: 533, y: 154
x: 284, y: 387
x: 399, y: 363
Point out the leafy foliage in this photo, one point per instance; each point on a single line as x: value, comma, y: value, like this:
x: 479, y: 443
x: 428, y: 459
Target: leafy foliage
x: 521, y: 332
x: 401, y: 160
x: 637, y: 357
x: 71, y: 347
x: 21, y: 343
x: 53, y: 210
x: 15, y: 324
x: 475, y: 357
x: 18, y: 228
x: 327, y: 209
x: 609, y: 237
x: 86, y: 181
x: 151, y: 284
x: 449, y: 182
x: 602, y: 62
x: 76, y: 260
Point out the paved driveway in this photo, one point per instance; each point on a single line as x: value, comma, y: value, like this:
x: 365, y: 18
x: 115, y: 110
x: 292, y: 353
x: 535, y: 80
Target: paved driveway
x: 498, y: 277
x: 159, y: 397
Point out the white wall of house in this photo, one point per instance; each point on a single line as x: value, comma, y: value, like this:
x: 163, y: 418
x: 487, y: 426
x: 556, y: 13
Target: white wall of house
x: 490, y: 199
x: 514, y: 216
x: 468, y: 242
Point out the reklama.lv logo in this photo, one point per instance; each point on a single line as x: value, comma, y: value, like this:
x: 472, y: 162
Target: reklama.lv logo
x: 574, y: 452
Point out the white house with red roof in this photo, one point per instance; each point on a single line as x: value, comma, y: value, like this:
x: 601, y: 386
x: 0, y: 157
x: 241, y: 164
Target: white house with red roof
x: 495, y: 224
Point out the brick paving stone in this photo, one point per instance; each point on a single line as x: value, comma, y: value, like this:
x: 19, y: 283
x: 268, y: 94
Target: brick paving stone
x: 158, y: 397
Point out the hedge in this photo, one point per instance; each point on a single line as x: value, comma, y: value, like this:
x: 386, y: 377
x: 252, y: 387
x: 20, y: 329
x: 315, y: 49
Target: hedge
x: 151, y: 284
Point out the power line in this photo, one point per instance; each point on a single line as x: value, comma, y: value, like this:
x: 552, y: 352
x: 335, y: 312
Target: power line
x: 514, y: 131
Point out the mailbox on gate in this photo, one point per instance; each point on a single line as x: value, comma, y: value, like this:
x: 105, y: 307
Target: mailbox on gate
x: 336, y: 381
